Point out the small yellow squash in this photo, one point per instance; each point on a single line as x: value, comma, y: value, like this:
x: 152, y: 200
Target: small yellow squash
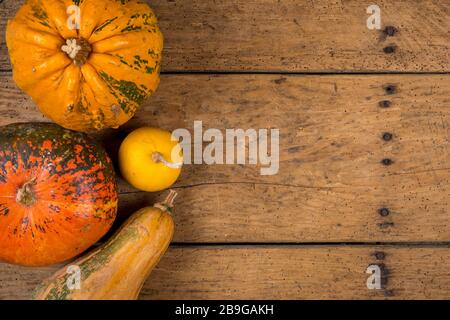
x: 150, y: 160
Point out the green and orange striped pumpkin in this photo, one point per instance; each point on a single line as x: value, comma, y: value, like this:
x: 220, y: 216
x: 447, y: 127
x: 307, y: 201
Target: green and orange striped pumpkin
x: 88, y: 64
x: 58, y: 194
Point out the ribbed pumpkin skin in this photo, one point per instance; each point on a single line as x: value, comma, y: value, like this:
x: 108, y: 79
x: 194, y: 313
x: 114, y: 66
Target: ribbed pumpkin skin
x: 121, y: 72
x: 74, y: 192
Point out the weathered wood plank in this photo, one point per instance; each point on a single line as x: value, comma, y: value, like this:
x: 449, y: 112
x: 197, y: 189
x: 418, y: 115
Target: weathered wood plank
x: 294, y: 36
x: 331, y: 182
x: 294, y: 272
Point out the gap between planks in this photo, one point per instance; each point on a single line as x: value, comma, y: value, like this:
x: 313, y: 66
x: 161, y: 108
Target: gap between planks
x: 387, y: 244
x: 288, y: 73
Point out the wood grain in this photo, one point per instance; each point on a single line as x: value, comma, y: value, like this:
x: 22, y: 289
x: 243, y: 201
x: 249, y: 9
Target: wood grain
x: 294, y: 36
x: 331, y: 182
x: 293, y: 272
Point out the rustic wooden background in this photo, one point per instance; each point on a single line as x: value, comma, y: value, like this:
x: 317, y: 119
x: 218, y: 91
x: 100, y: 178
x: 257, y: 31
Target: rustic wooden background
x: 333, y: 87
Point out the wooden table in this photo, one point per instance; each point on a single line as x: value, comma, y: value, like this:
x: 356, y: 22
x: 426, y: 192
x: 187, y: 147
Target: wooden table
x: 333, y: 87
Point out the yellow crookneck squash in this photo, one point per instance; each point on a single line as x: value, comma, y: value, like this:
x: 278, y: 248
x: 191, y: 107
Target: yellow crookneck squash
x: 88, y: 64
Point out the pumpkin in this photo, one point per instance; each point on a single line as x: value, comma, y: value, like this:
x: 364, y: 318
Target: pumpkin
x: 118, y: 269
x: 89, y: 76
x: 150, y: 160
x: 58, y: 194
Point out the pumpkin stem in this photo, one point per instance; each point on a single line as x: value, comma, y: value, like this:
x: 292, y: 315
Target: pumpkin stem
x: 25, y: 195
x: 78, y: 49
x: 167, y: 205
x: 158, y: 157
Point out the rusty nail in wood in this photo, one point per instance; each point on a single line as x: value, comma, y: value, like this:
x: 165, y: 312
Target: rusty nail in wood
x: 380, y: 255
x: 387, y: 162
x: 389, y: 49
x: 390, y: 31
x: 390, y: 89
x: 387, y: 136
x: 385, y: 104
x: 384, y: 212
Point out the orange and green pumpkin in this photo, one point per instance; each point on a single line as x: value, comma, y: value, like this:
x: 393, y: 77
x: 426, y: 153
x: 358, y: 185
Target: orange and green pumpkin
x: 58, y: 194
x: 88, y: 64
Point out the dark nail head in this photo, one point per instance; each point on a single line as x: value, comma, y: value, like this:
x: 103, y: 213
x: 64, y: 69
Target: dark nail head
x: 385, y: 104
x: 384, y: 212
x: 387, y: 136
x: 389, y: 49
x: 390, y: 31
x: 380, y: 255
x: 390, y: 89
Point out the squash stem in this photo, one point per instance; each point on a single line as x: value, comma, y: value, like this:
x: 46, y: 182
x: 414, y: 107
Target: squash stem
x: 78, y: 49
x: 167, y: 204
x: 159, y: 158
x: 25, y: 195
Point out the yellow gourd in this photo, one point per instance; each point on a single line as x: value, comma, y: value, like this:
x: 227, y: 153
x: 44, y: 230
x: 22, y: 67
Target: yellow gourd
x: 118, y: 269
x: 87, y: 64
x: 150, y: 160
